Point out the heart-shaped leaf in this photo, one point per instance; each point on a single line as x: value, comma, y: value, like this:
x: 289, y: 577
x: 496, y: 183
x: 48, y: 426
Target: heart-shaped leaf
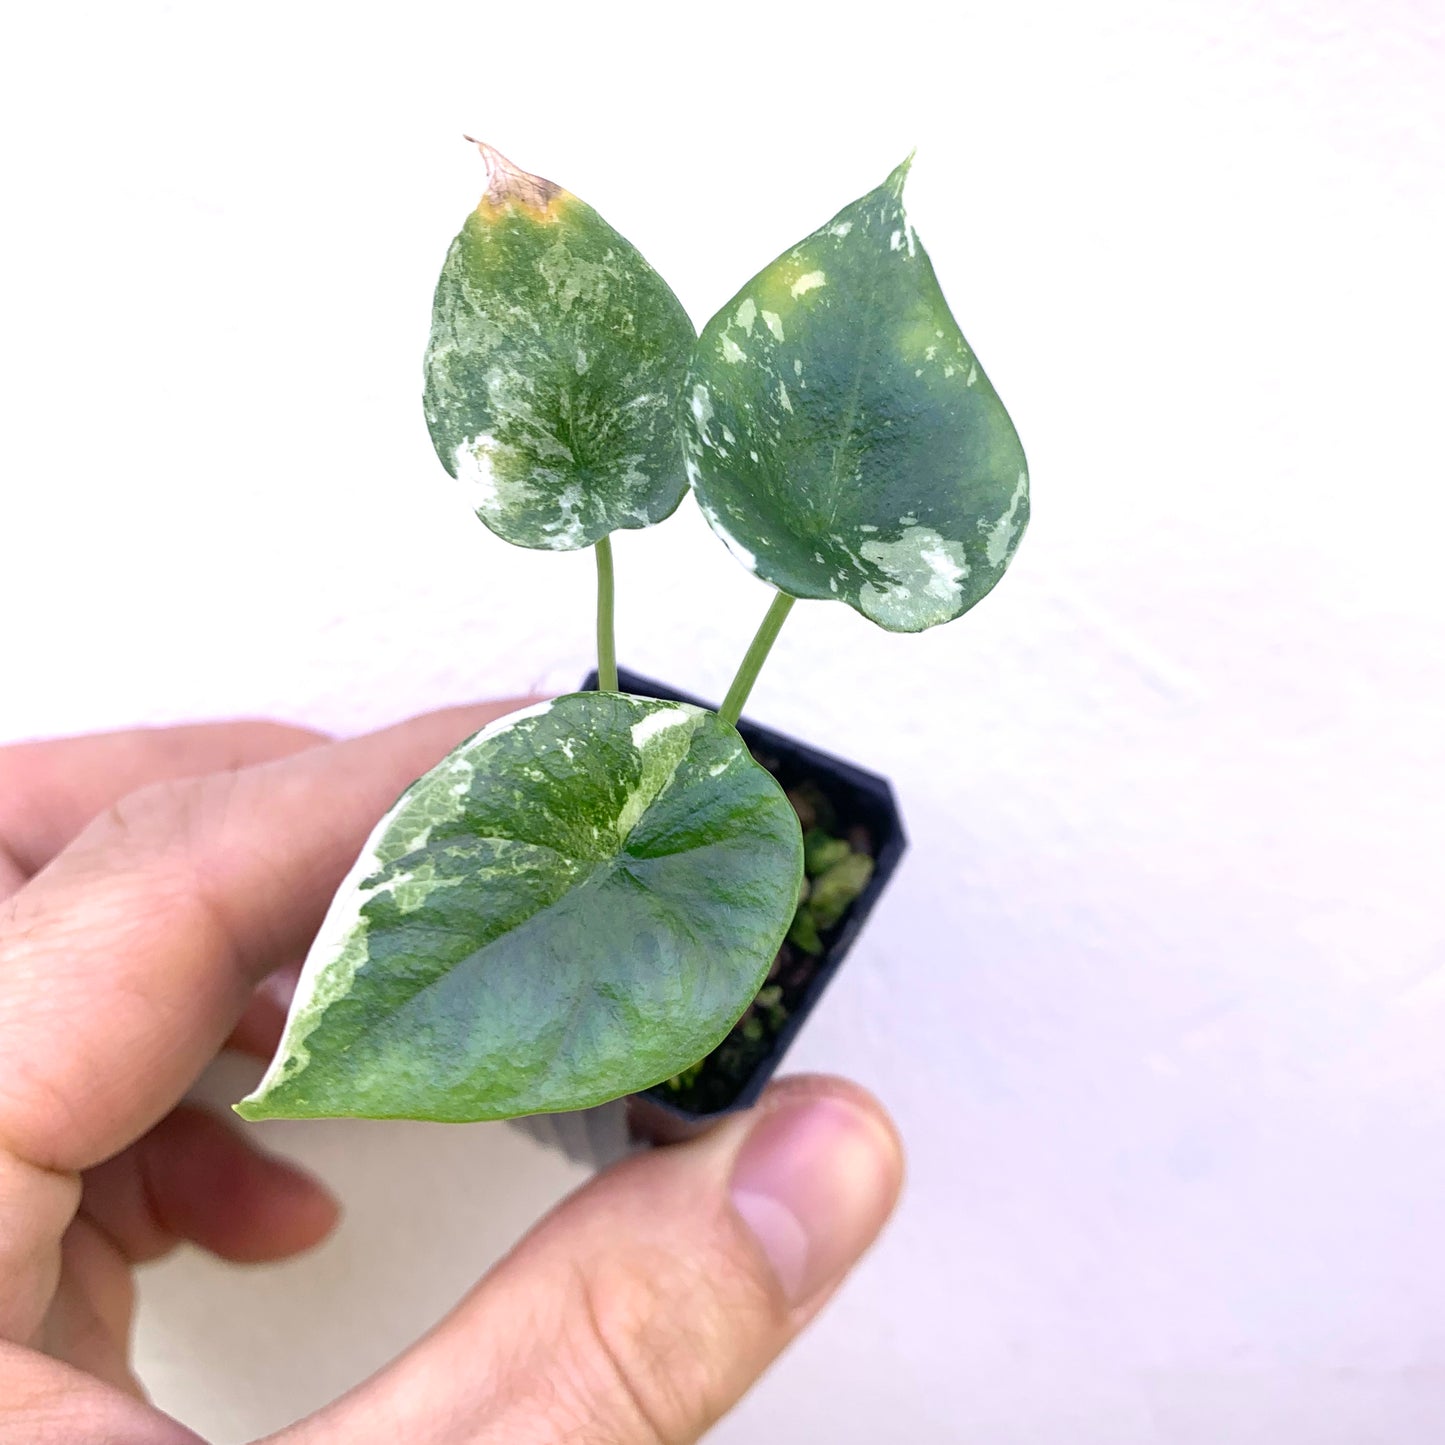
x: 577, y: 903
x: 841, y: 436
x: 554, y: 367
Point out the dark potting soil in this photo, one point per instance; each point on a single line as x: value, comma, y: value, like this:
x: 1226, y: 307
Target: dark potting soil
x: 839, y: 853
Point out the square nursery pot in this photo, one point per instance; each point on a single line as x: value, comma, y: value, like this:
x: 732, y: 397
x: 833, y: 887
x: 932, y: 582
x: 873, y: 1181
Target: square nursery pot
x: 735, y: 1073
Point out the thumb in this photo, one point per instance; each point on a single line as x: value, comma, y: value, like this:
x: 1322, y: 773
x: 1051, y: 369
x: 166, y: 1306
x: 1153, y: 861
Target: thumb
x: 643, y: 1307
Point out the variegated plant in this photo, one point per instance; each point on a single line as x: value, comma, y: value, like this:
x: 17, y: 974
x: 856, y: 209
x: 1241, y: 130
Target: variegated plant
x: 582, y: 899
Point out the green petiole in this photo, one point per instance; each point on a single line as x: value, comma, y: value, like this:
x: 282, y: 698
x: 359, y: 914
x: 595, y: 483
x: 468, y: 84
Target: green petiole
x: 606, y: 641
x: 753, y: 659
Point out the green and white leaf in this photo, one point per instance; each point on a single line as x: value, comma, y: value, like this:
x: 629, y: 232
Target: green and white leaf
x: 842, y: 437
x: 554, y: 367
x: 576, y: 904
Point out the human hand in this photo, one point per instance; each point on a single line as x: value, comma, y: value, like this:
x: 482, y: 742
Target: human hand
x: 151, y: 882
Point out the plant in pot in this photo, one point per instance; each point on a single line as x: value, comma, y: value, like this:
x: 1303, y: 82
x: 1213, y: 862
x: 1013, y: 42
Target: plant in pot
x: 613, y: 893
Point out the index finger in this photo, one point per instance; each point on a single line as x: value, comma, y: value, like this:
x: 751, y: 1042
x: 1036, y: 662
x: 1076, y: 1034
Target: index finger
x: 50, y: 790
x: 126, y: 962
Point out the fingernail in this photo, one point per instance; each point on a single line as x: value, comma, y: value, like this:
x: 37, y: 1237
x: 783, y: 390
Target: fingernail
x: 814, y: 1183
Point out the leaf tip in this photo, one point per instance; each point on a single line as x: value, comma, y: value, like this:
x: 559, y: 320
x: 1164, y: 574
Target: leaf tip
x: 259, y: 1104
x: 508, y: 184
x: 899, y: 174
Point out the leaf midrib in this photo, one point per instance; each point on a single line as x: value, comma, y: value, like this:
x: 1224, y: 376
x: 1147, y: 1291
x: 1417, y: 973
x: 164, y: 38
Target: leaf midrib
x: 866, y: 328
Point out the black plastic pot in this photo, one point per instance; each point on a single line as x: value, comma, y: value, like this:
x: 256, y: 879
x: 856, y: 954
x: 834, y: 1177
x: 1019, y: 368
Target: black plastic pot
x: 861, y: 798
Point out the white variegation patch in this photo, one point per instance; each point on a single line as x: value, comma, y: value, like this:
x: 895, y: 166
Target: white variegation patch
x: 647, y: 728
x: 701, y: 404
x: 472, y: 466
x: 1001, y: 534
x: 747, y: 558
x: 568, y: 531
x: 810, y: 282
x: 662, y: 738
x: 573, y: 281
x: 410, y: 890
x: 926, y: 572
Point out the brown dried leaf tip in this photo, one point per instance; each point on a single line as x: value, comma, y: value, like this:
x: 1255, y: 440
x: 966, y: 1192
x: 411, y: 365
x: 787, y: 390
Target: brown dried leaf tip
x: 508, y: 184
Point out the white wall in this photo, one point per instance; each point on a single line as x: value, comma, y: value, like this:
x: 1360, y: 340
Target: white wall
x: 1159, y: 996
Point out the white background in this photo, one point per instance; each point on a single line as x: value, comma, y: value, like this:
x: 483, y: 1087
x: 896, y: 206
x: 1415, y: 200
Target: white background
x: 1159, y: 996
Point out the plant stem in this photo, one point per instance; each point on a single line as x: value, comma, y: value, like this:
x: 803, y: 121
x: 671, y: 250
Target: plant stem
x: 753, y: 659
x: 606, y: 642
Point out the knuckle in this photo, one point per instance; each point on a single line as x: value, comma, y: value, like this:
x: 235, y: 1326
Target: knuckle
x: 660, y: 1338
x: 158, y: 815
x: 171, y: 829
